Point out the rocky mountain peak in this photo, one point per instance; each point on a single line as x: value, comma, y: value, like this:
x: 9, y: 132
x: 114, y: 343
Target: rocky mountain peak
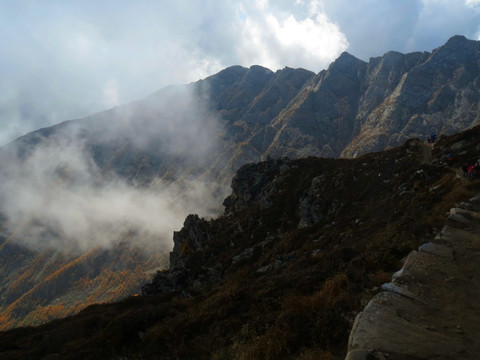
x: 346, y: 63
x: 458, y: 41
x: 231, y: 73
x: 457, y: 50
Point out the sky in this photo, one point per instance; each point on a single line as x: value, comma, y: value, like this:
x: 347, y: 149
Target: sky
x: 62, y: 60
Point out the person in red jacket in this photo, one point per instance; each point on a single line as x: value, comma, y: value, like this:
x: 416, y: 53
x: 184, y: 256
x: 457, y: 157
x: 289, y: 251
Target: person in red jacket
x: 471, y: 171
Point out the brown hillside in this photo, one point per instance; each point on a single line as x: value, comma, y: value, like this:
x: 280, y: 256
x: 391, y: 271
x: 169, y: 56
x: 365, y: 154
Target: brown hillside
x: 302, y: 247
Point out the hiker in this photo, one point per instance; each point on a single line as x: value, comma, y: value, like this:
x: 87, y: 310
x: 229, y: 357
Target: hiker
x: 471, y: 171
x: 465, y: 169
x: 431, y: 138
x: 450, y: 159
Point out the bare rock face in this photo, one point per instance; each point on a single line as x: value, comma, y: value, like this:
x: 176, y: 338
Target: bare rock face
x: 185, y: 265
x: 254, y: 183
x: 191, y: 238
x: 355, y: 107
x: 438, y: 94
x: 311, y: 207
x: 320, y: 120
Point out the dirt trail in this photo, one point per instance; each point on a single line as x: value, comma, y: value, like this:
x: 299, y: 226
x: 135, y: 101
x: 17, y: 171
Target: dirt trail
x: 426, y: 152
x: 431, y: 309
x: 427, y: 158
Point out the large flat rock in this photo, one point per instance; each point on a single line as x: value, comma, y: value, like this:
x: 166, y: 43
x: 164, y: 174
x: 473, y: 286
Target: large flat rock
x: 431, y: 309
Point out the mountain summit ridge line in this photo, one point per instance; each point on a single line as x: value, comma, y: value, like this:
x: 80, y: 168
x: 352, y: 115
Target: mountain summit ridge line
x: 349, y: 109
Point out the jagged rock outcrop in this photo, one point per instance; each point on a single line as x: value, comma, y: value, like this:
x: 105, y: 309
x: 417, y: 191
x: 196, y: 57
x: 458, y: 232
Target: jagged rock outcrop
x: 255, y: 183
x: 191, y: 243
x: 191, y: 238
x: 311, y: 208
x: 439, y: 94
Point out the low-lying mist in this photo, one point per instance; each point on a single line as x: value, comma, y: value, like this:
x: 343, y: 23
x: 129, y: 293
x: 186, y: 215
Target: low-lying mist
x: 61, y: 195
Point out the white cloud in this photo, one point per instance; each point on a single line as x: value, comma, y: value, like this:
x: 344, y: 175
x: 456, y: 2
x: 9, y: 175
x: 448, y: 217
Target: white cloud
x: 438, y: 20
x: 56, y: 199
x: 374, y: 27
x: 472, y: 2
x: 312, y: 42
x: 262, y: 4
x: 57, y: 195
x: 110, y: 94
x: 79, y: 46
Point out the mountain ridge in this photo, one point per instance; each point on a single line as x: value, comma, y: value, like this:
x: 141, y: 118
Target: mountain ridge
x: 352, y: 100
x: 203, y: 132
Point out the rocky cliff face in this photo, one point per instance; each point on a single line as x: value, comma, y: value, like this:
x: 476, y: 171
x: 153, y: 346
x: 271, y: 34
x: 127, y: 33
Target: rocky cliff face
x: 187, y: 260
x: 421, y: 313
x: 438, y: 95
x: 355, y: 107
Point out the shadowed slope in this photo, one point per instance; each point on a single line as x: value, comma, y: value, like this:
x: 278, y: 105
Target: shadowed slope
x: 302, y: 247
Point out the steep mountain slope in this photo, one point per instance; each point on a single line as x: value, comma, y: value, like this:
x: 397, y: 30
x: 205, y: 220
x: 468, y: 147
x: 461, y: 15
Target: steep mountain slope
x: 180, y: 148
x: 356, y: 107
x: 242, y: 115
x: 301, y: 248
x: 42, y: 285
x: 438, y: 95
